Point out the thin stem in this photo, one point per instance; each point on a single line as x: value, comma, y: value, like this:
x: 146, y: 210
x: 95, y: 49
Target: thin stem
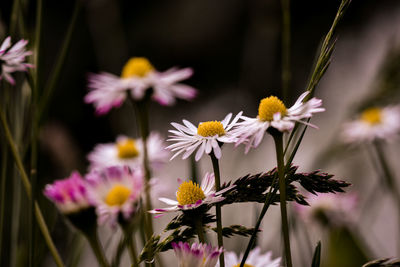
x: 97, y: 249
x: 282, y: 193
x: 4, y: 158
x: 132, y: 251
x: 199, y: 229
x: 215, y: 164
x: 25, y: 180
x: 55, y: 75
x: 271, y: 193
x: 286, y: 73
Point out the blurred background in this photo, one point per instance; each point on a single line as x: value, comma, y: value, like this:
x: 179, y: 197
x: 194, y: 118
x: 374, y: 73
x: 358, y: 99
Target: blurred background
x: 234, y: 47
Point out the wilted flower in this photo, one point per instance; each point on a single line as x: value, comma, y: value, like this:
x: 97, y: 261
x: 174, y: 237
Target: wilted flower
x: 196, y: 255
x: 273, y: 113
x: 69, y: 195
x: 114, y: 191
x: 138, y: 75
x: 129, y: 152
x: 255, y: 259
x: 206, y: 137
x: 191, y: 196
x: 373, y: 123
x: 328, y: 208
x: 12, y: 59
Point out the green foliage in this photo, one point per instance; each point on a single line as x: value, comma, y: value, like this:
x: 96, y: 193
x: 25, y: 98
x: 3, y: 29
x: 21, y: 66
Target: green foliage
x: 235, y: 230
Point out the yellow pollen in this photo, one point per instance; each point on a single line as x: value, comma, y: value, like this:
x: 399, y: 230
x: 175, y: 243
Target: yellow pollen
x: 372, y: 116
x: 127, y: 149
x: 189, y: 193
x: 245, y: 265
x: 136, y: 66
x: 210, y: 128
x: 118, y: 195
x: 269, y: 106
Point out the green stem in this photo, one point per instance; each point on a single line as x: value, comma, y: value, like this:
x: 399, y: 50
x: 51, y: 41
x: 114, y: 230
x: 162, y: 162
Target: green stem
x: 25, y: 180
x: 286, y: 73
x: 4, y: 158
x: 282, y: 193
x: 199, y: 229
x: 132, y: 250
x: 96, y: 247
x: 215, y: 164
x: 55, y: 75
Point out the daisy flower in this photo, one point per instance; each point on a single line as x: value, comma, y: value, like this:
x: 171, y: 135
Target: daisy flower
x: 273, y: 113
x: 129, y: 152
x: 327, y: 208
x: 114, y: 191
x: 191, y: 196
x: 207, y: 137
x: 255, y: 259
x: 138, y: 75
x: 373, y: 123
x: 69, y: 195
x: 12, y: 59
x: 196, y: 255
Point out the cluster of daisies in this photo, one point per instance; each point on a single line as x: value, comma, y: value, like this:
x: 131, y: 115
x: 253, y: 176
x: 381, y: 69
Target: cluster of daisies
x: 114, y: 187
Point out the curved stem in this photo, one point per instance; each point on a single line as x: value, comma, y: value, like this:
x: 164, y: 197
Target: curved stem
x: 25, y: 180
x: 282, y: 193
x: 215, y: 164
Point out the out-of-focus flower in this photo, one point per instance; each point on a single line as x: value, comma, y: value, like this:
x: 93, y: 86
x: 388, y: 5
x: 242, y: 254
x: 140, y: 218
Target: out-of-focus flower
x: 373, y: 123
x: 12, y: 59
x: 205, y: 137
x: 329, y: 209
x: 273, y: 113
x: 255, y: 259
x: 138, y: 75
x: 69, y: 195
x: 191, y: 196
x: 114, y: 191
x: 129, y: 152
x: 196, y: 255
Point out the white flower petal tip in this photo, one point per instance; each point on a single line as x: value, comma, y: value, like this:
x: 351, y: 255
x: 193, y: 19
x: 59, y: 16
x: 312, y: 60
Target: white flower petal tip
x: 273, y: 113
x: 129, y: 152
x: 138, y: 75
x: 255, y: 258
x: 205, y: 138
x: 373, y: 124
x: 113, y: 191
x: 13, y: 58
x: 191, y: 196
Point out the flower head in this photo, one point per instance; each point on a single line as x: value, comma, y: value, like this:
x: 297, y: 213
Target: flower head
x: 196, y: 255
x: 272, y: 112
x: 373, y: 123
x: 255, y: 259
x: 191, y: 196
x: 129, y: 152
x: 205, y: 138
x: 12, y: 59
x: 114, y: 191
x: 328, y: 208
x: 69, y: 195
x: 138, y: 75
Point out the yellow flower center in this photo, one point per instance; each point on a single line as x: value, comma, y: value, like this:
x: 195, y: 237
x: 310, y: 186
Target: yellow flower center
x: 210, y: 128
x: 189, y: 193
x: 127, y: 149
x: 372, y: 116
x: 136, y: 66
x: 118, y: 195
x: 245, y: 265
x: 269, y: 106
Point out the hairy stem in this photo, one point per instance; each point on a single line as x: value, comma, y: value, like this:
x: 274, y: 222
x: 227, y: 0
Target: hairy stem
x: 282, y: 193
x: 215, y: 164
